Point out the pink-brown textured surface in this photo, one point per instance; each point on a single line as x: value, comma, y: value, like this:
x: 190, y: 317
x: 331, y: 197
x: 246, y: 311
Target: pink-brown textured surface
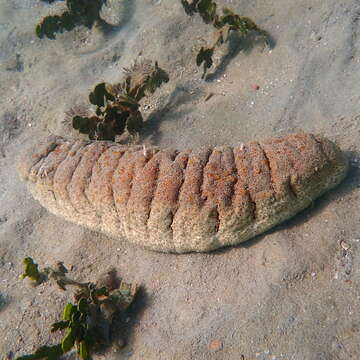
x: 174, y: 201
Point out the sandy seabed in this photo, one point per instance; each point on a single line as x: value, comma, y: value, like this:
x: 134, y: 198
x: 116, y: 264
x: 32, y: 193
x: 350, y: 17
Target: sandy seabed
x: 292, y: 293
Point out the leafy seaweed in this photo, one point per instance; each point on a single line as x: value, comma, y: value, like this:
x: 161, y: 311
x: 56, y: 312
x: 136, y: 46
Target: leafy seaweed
x: 60, y: 325
x: 207, y: 10
x: 86, y: 322
x: 205, y: 56
x: 79, y: 12
x: 31, y: 271
x: 224, y: 24
x: 83, y: 350
x: 117, y: 106
x: 100, y: 95
x: 189, y: 7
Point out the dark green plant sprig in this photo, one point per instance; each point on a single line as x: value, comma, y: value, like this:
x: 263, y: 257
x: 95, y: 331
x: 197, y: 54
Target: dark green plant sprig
x: 117, y: 106
x: 87, y: 322
x: 79, y: 12
x: 31, y: 271
x: 229, y: 21
x: 44, y: 352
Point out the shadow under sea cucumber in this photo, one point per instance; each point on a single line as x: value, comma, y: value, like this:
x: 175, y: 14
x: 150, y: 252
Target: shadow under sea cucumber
x: 182, y: 201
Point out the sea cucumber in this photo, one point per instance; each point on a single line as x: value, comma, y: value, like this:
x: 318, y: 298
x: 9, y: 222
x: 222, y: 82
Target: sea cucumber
x: 182, y: 201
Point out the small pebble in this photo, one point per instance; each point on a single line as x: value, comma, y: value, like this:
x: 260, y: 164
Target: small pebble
x: 215, y: 345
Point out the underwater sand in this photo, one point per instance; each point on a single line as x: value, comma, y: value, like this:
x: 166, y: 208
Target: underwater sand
x: 292, y: 293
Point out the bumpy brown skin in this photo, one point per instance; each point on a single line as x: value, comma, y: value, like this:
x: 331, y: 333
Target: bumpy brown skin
x: 172, y: 201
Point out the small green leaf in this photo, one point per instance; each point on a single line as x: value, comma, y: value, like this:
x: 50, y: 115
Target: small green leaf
x: 100, y: 95
x: 100, y: 292
x: 83, y: 350
x: 190, y: 9
x: 60, y: 325
x: 207, y: 10
x: 31, y: 270
x: 134, y: 123
x: 78, y: 122
x: 49, y: 26
x: 38, y: 31
x: 124, y: 296
x: 78, y: 330
x: 68, y: 341
x: 83, y: 318
x: 85, y: 125
x: 68, y: 311
x: 75, y: 316
x: 83, y: 306
x: 68, y: 21
x: 205, y: 55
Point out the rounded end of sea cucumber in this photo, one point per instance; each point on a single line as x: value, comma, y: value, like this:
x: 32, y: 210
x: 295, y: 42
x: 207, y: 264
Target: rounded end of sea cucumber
x: 337, y: 158
x: 34, y: 153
